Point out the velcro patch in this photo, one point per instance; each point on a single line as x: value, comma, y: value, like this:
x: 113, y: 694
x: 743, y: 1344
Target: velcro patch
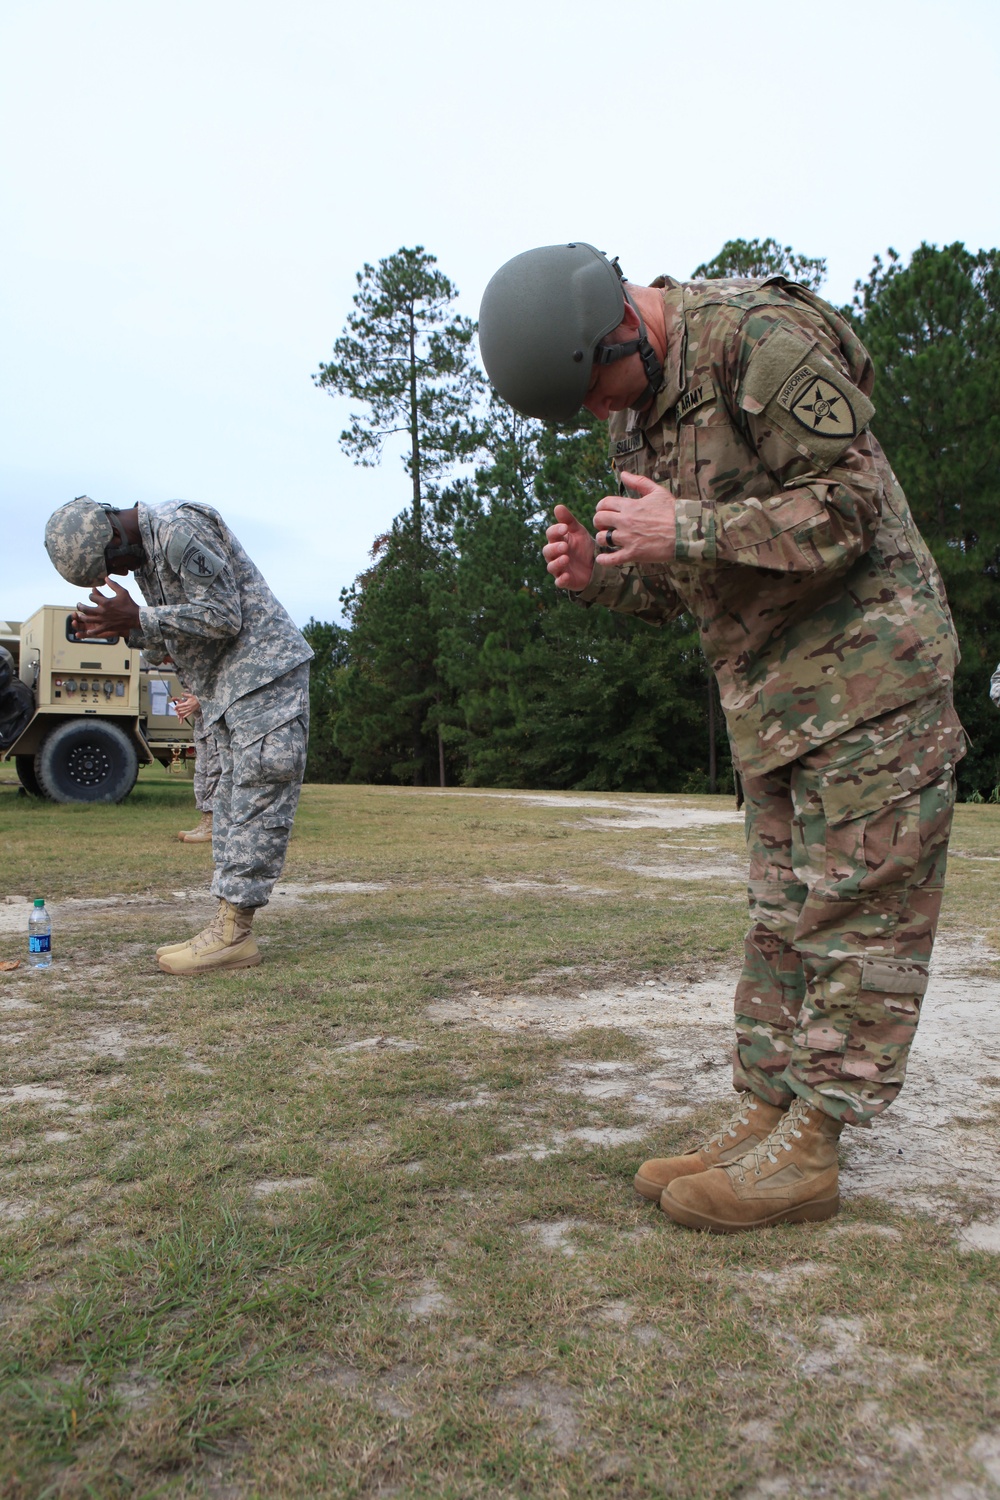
x: 806, y: 396
x: 631, y: 443
x: 186, y: 554
x: 793, y: 383
x: 199, y: 563
x: 893, y: 978
x: 696, y: 396
x: 817, y: 404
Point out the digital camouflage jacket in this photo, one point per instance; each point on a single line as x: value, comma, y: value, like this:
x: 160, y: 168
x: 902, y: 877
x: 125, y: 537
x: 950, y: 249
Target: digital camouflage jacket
x: 209, y: 609
x: 819, y: 604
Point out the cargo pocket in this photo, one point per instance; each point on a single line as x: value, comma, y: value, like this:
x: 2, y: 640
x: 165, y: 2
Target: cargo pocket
x: 870, y: 860
x: 770, y: 986
x: 276, y: 758
x: 887, y: 1009
x: 891, y: 842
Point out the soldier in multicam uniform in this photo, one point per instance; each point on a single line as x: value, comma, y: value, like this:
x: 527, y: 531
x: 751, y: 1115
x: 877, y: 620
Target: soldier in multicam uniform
x: 207, y: 768
x: 211, y: 612
x: 754, y: 496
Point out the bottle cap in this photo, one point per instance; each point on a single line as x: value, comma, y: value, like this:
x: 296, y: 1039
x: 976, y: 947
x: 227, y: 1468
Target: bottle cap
x: 39, y: 900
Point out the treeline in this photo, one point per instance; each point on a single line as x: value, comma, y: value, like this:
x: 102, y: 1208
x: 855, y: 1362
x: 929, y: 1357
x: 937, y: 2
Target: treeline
x: 459, y: 663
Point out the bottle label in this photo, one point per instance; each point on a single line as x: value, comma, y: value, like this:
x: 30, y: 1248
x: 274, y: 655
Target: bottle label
x: 40, y: 942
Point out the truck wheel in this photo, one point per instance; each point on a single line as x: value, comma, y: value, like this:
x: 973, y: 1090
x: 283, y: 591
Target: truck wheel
x: 25, y: 768
x: 87, y: 760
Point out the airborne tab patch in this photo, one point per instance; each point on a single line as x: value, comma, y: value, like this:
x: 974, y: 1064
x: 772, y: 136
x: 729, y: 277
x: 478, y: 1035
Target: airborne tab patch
x: 630, y: 444
x: 696, y: 396
x: 817, y: 404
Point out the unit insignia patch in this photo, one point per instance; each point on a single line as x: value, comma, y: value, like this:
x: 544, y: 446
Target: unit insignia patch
x: 817, y: 404
x: 199, y: 563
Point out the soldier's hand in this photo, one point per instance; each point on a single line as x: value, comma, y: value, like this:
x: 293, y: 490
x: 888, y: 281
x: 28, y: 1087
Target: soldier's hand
x: 569, y: 551
x: 643, y: 525
x: 103, y: 616
x: 186, y: 705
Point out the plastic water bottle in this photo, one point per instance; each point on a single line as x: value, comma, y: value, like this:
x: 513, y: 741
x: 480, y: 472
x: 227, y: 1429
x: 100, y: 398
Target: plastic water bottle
x: 39, y: 936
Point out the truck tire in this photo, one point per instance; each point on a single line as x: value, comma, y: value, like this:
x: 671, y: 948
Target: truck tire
x: 87, y: 760
x: 24, y: 765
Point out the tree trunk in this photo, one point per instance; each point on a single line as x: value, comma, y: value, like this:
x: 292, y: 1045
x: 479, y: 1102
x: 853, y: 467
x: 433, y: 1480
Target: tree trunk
x: 414, y: 432
x: 417, y: 741
x: 441, y: 756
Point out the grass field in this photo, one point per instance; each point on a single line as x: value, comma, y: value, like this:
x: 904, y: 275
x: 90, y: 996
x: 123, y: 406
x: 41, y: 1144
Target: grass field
x: 360, y: 1222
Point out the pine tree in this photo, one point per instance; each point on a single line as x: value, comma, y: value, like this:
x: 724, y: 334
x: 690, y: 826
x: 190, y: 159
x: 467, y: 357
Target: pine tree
x: 411, y: 362
x: 757, y: 259
x: 388, y: 713
x: 409, y: 359
x: 933, y: 330
x: 550, y: 694
x: 327, y: 680
x: 489, y: 647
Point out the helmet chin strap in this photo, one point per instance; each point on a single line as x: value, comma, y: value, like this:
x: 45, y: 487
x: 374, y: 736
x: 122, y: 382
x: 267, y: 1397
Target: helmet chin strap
x: 120, y: 549
x: 609, y: 354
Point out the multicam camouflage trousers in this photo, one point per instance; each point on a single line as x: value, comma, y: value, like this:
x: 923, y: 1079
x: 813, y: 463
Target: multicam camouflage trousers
x: 207, y: 765
x: 262, y: 742
x: 848, y: 847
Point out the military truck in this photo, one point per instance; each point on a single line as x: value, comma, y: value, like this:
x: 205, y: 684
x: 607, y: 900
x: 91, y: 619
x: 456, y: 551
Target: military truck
x: 79, y: 717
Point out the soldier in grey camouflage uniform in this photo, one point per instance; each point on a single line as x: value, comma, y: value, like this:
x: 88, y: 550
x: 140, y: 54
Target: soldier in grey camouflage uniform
x: 209, y: 609
x: 207, y: 769
x: 207, y: 765
x: 753, y: 494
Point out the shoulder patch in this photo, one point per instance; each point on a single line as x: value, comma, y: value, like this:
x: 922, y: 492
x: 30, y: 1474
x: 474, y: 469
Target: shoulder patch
x: 817, y: 404
x: 199, y: 563
x: 804, y: 396
x: 185, y: 554
x: 696, y: 396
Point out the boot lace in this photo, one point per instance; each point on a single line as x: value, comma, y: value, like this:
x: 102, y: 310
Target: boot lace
x: 780, y: 1139
x: 740, y: 1116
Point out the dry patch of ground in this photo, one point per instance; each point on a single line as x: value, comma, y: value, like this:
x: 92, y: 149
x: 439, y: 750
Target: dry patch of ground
x: 629, y: 811
x: 925, y: 1151
x: 361, y: 1222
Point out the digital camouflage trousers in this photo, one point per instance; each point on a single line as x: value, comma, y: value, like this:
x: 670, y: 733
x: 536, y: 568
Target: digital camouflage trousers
x: 207, y: 765
x: 262, y: 741
x: 848, y: 847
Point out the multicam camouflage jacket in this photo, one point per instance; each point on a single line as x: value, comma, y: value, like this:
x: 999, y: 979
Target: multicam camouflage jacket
x: 209, y: 609
x: 819, y: 604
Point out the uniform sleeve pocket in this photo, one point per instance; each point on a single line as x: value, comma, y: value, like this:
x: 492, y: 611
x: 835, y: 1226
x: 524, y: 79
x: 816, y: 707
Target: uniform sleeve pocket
x: 758, y: 521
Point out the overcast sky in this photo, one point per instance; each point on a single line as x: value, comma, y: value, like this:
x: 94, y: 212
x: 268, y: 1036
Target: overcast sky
x: 188, y: 190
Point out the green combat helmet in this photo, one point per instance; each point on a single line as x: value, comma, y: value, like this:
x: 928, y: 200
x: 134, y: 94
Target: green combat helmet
x: 542, y: 318
x: 85, y: 541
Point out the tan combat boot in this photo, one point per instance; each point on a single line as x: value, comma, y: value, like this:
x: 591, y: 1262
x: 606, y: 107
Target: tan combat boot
x: 227, y: 943
x: 200, y: 835
x: 213, y: 929
x: 789, y: 1178
x: 752, y: 1121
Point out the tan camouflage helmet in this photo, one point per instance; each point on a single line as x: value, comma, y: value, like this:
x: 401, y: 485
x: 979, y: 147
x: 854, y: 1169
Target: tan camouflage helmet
x: 76, y: 538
